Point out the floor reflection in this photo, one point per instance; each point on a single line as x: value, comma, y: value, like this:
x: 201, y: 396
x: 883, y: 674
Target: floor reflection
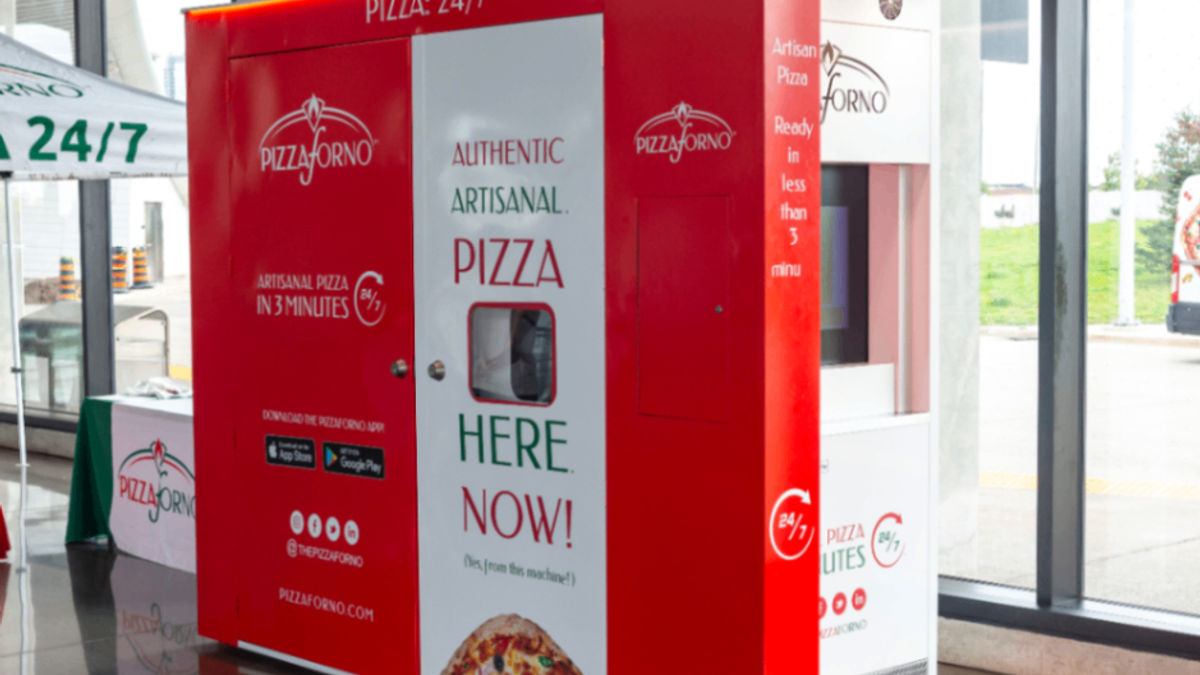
x: 133, y: 614
x: 88, y: 609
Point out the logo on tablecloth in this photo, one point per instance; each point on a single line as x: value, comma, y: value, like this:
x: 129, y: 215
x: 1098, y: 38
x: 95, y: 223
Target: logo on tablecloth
x: 153, y: 477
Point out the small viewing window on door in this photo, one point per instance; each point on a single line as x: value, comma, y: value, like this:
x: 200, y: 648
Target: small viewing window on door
x: 844, y: 264
x: 512, y: 353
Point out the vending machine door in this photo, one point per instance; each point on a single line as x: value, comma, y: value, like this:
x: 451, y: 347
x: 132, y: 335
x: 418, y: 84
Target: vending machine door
x: 509, y: 276
x: 322, y: 339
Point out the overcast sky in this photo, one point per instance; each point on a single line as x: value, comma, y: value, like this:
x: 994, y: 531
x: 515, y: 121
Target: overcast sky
x: 162, y: 24
x: 1166, y: 77
x: 1166, y: 80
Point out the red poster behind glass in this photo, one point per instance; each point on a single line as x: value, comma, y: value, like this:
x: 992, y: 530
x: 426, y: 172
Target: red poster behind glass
x: 321, y: 184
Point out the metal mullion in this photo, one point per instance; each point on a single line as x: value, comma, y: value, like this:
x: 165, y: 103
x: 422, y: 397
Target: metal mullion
x: 1062, y: 310
x: 1108, y: 623
x: 95, y: 237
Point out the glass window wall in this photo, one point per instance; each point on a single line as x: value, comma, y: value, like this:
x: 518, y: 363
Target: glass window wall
x: 150, y: 228
x: 989, y: 285
x: 46, y: 228
x: 1140, y: 313
x: 1143, y: 350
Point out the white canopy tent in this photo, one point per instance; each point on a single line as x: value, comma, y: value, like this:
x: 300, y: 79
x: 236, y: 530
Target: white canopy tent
x: 58, y: 122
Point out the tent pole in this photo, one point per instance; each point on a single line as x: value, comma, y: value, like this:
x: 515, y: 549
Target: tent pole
x: 13, y: 309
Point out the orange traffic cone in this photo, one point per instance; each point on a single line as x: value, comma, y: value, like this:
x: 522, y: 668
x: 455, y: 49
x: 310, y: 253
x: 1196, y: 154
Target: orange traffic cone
x: 120, y: 270
x: 68, y: 287
x: 141, y: 269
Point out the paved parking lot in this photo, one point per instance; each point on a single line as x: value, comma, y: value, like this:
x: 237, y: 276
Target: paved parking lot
x: 174, y: 296
x: 1143, y: 469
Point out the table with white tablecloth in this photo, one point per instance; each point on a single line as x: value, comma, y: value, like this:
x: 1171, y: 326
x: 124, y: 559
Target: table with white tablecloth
x: 134, y: 480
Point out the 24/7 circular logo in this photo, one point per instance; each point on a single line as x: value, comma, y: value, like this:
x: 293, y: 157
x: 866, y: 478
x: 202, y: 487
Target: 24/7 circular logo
x: 887, y: 541
x: 159, y: 480
x: 792, y: 527
x: 368, y: 298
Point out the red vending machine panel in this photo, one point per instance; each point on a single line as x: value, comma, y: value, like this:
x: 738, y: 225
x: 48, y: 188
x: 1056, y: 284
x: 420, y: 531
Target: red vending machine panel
x: 321, y: 327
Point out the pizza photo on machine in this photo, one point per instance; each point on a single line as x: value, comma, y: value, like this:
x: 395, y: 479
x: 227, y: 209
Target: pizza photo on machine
x: 509, y: 643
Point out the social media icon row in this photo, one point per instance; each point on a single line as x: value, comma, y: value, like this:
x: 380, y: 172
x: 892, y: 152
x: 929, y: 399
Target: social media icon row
x: 859, y: 600
x: 332, y: 528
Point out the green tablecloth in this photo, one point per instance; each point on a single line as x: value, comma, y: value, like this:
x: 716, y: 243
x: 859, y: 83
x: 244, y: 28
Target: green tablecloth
x: 91, y: 479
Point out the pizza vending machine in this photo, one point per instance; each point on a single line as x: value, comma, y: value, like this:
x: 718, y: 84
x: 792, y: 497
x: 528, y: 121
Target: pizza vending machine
x: 506, y: 333
x: 880, y: 425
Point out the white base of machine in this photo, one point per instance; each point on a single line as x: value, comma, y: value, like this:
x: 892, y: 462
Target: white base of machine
x: 287, y: 658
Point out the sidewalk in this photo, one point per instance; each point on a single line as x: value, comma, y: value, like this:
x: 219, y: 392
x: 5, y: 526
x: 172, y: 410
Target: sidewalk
x: 1146, y: 334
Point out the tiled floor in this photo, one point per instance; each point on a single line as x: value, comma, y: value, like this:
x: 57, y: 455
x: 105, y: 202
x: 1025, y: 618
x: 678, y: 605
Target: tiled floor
x: 84, y: 609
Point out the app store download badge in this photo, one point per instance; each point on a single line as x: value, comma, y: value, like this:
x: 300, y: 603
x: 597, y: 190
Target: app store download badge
x: 287, y: 451
x: 353, y: 460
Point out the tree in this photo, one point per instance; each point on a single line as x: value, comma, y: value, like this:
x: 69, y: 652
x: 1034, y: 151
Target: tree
x: 1178, y: 159
x: 1112, y: 173
x: 1112, y: 176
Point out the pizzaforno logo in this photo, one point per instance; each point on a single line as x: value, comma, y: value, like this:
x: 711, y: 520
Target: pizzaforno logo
x: 23, y: 82
x: 158, y: 642
x: 158, y: 480
x: 683, y: 129
x: 314, y: 137
x: 851, y: 85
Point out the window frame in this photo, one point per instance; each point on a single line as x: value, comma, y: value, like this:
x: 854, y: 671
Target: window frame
x: 1058, y: 606
x: 99, y: 358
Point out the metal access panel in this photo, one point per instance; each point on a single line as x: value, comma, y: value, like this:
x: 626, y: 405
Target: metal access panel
x: 684, y: 253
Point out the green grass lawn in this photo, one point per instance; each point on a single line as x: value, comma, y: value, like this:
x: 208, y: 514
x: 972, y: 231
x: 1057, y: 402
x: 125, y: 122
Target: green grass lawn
x: 1008, y: 277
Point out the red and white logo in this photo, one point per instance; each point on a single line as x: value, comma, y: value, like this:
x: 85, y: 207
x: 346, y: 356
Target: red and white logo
x: 859, y: 599
x: 683, y: 129
x: 793, y: 526
x: 368, y: 298
x: 887, y: 543
x: 155, y: 478
x: 839, y: 603
x: 316, y: 137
